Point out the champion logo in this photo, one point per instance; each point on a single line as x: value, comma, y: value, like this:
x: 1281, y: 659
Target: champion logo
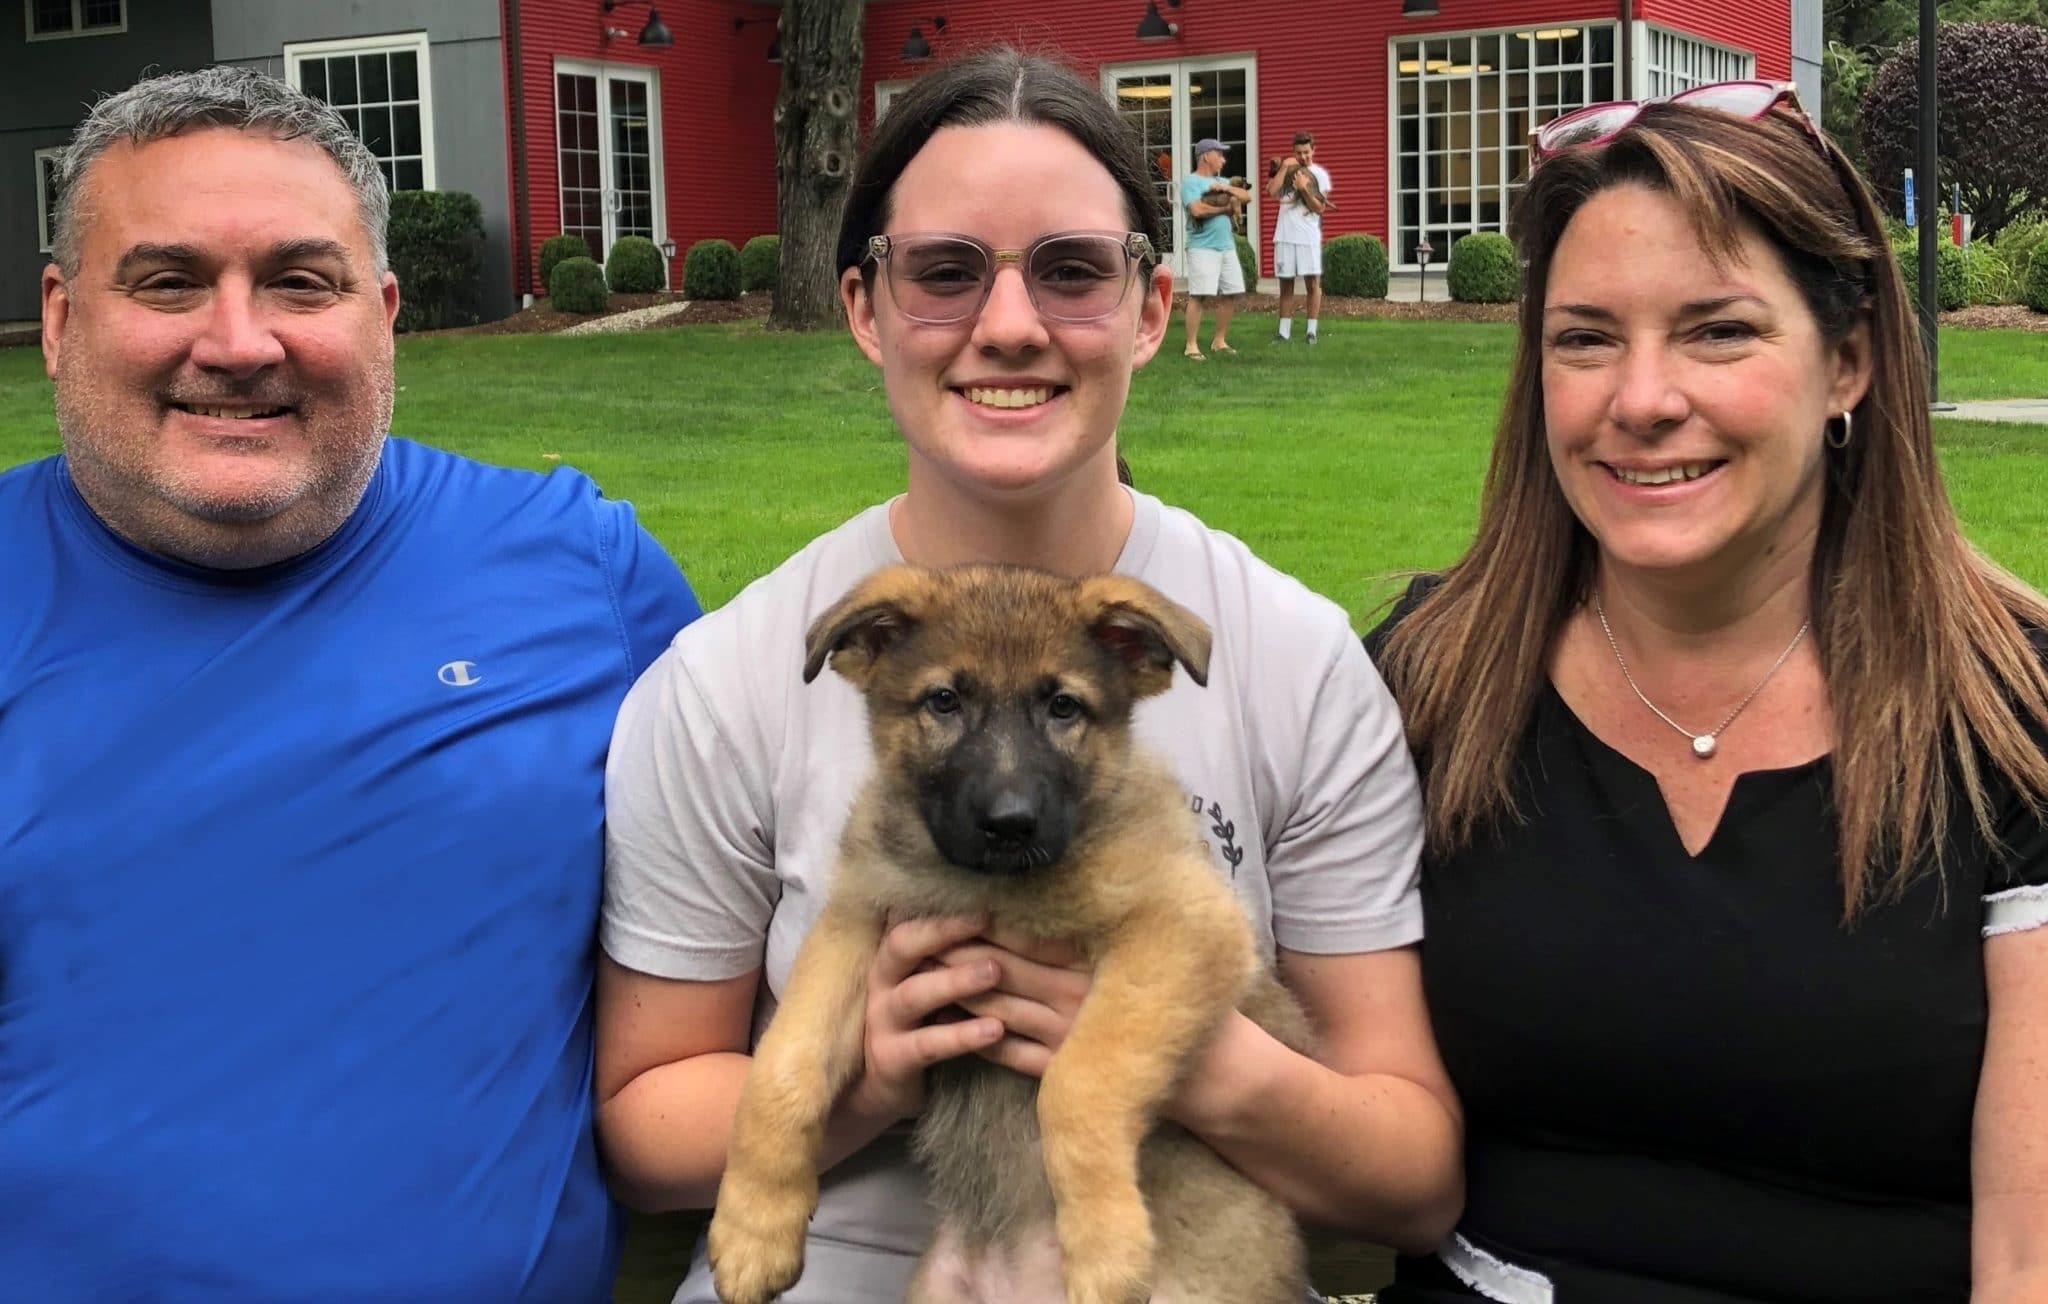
x: 459, y: 674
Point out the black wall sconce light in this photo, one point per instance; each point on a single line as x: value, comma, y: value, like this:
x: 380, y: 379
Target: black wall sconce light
x: 916, y: 50
x: 654, y: 34
x: 1153, y: 27
x: 774, y: 46
x: 1418, y: 8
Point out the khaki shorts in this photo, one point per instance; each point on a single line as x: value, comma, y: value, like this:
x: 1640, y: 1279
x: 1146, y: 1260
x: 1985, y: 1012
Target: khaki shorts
x: 1213, y: 272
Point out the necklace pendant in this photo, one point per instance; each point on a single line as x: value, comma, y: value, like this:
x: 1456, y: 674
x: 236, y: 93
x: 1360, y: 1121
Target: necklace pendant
x: 1703, y: 746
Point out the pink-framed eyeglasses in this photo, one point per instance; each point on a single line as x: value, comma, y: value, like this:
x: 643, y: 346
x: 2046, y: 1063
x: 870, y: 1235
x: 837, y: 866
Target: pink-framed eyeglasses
x: 1599, y: 123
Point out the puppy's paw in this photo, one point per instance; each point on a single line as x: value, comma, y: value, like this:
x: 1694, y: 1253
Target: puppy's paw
x: 756, y: 1242
x: 1108, y: 1254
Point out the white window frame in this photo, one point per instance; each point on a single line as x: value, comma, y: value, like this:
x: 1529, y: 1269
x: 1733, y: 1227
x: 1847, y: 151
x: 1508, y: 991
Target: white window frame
x: 1182, y: 71
x: 885, y: 95
x: 28, y: 23
x: 648, y: 75
x: 46, y: 217
x: 298, y: 52
x: 1509, y: 188
x: 1651, y: 41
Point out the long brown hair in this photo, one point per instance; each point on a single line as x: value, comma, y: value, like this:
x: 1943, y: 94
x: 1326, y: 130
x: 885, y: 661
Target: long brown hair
x: 1922, y: 639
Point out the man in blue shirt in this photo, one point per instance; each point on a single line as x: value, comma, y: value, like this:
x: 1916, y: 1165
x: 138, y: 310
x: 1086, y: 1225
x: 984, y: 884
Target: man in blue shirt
x: 1213, y: 269
x: 302, y: 734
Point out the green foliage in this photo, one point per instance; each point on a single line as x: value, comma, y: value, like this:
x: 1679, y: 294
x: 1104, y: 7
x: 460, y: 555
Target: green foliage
x: 1355, y: 265
x: 711, y: 270
x: 577, y: 285
x: 760, y: 263
x: 1248, y: 260
x: 2036, y: 286
x: 436, y: 244
x: 2021, y: 244
x: 1964, y: 277
x: 557, y: 247
x: 634, y: 266
x: 1483, y: 269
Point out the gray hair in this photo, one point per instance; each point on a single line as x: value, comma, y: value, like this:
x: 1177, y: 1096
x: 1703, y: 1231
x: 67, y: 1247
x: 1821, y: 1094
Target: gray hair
x: 237, y: 98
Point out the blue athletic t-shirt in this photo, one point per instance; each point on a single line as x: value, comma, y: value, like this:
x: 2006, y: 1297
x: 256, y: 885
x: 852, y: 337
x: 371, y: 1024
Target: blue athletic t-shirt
x: 299, y: 877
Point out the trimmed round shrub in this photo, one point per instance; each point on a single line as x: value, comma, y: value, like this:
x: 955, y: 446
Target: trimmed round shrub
x: 1483, y: 269
x: 760, y: 263
x: 1355, y: 265
x: 2037, y: 281
x: 1951, y: 270
x: 634, y: 266
x: 711, y: 270
x: 436, y: 243
x: 577, y: 286
x: 557, y: 247
x: 1248, y: 260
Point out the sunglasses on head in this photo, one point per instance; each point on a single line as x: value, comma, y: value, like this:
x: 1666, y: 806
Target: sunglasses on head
x: 941, y: 279
x: 1599, y: 123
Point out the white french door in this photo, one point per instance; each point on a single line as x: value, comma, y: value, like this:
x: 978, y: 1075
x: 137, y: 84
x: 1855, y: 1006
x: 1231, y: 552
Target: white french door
x: 1175, y: 103
x: 608, y: 151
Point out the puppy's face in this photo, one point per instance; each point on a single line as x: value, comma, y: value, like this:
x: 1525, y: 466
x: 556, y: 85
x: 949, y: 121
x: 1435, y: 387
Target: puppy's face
x: 998, y: 697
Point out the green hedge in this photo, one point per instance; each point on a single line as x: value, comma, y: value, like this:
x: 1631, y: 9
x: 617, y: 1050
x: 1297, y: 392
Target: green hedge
x: 634, y: 266
x: 1355, y: 265
x: 760, y: 263
x: 1248, y: 259
x: 577, y: 285
x: 1483, y: 269
x: 2037, y: 281
x: 711, y: 270
x: 436, y: 244
x: 557, y: 247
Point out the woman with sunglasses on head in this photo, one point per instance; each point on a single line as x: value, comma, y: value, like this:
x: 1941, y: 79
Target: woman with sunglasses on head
x: 1732, y: 749
x: 996, y: 261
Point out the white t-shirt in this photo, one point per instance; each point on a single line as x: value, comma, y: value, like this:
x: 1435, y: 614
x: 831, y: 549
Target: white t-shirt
x: 1296, y: 224
x: 729, y: 780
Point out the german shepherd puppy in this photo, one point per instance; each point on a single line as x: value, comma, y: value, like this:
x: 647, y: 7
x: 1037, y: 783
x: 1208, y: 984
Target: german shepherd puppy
x: 1007, y: 786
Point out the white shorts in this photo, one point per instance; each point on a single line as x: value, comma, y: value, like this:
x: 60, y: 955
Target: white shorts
x: 1297, y: 260
x: 1214, y: 271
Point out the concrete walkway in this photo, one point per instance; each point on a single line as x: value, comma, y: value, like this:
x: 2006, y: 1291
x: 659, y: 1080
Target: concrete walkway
x: 2033, y: 410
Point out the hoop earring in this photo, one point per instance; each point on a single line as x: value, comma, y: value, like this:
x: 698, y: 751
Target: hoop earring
x: 1848, y: 428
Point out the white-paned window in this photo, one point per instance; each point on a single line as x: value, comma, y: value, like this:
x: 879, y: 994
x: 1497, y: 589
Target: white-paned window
x: 49, y: 20
x: 1674, y: 61
x: 382, y: 87
x: 885, y: 93
x: 1463, y: 107
x: 46, y: 198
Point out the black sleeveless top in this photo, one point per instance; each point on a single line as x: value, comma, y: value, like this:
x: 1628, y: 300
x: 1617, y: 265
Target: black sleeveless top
x: 1686, y: 1081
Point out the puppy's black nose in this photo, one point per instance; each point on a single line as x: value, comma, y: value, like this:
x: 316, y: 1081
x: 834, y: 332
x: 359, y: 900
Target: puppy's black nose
x: 1010, y: 817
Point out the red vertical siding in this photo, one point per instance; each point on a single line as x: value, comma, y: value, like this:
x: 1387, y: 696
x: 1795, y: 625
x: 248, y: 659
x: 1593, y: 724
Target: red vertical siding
x: 717, y: 112
x: 1763, y: 27
x: 1322, y: 64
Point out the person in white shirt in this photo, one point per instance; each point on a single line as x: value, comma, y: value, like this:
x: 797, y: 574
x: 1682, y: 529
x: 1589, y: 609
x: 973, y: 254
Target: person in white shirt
x: 1303, y: 188
x: 997, y: 265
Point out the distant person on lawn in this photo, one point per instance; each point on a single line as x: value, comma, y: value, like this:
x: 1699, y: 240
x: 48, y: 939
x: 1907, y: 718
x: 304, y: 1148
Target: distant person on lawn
x: 1302, y: 186
x: 302, y: 737
x: 1213, y: 269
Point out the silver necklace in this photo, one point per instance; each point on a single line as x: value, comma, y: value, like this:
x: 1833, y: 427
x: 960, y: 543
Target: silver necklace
x: 1702, y: 744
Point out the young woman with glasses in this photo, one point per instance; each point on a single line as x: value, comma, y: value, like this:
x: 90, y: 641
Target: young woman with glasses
x: 1732, y: 749
x: 997, y: 266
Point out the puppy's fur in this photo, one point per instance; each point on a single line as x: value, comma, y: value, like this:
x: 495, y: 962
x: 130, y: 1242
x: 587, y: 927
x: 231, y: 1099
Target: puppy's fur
x: 1006, y: 785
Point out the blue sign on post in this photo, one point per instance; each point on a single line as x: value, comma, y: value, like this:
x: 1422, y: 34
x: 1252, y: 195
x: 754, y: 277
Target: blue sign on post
x: 1912, y: 209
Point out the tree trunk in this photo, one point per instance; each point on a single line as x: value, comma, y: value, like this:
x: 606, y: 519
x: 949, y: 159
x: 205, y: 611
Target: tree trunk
x: 815, y: 143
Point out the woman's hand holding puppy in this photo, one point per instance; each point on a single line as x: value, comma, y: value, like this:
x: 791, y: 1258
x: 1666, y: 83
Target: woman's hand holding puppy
x: 908, y: 993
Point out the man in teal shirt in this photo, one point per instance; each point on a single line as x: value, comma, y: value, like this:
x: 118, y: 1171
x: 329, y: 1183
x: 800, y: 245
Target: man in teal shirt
x: 1213, y: 269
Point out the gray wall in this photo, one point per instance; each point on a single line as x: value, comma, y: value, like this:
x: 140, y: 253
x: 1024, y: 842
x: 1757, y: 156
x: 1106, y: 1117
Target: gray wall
x: 48, y: 86
x: 466, y: 60
x: 1806, y: 51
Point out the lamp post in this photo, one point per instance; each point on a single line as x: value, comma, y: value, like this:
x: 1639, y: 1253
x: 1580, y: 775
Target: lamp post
x: 668, y: 258
x: 1423, y: 251
x: 1929, y: 192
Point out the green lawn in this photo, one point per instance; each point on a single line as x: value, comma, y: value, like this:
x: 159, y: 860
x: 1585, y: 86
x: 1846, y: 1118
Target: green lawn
x: 1343, y: 464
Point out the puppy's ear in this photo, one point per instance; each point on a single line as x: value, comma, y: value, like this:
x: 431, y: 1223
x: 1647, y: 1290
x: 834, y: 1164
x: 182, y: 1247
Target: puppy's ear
x: 863, y: 624
x: 1145, y: 631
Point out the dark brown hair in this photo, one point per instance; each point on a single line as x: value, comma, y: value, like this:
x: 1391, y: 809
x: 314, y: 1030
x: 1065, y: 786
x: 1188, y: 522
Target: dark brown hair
x: 996, y: 85
x: 1922, y: 640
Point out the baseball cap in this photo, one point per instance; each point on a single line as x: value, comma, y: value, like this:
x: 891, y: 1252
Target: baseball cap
x: 1207, y: 143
